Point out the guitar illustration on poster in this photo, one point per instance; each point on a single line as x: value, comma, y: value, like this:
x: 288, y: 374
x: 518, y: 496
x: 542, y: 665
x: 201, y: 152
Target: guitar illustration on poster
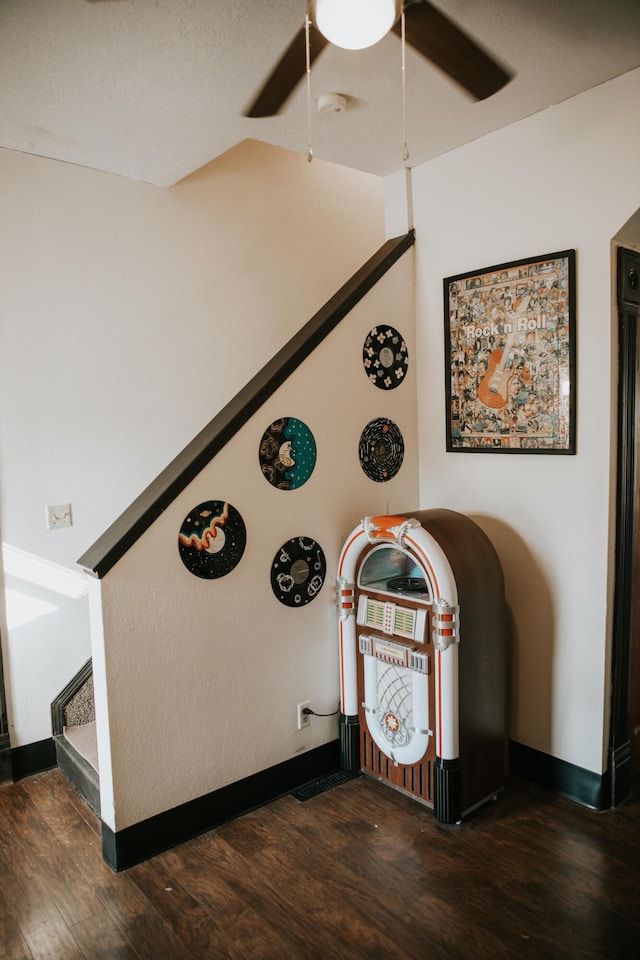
x: 493, y: 390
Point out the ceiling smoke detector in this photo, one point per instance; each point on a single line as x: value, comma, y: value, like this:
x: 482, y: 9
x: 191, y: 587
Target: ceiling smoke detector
x: 332, y: 103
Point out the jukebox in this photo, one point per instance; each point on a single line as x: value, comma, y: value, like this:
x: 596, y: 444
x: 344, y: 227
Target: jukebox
x: 423, y: 659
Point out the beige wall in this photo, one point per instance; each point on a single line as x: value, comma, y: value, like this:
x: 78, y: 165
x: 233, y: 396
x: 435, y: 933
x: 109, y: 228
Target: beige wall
x: 202, y: 677
x: 129, y: 316
x: 564, y: 178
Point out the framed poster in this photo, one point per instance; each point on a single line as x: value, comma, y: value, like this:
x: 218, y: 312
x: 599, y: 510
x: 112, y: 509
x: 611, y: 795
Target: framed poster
x: 510, y: 346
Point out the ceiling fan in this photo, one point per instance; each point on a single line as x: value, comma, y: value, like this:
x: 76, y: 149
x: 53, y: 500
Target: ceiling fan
x: 427, y: 30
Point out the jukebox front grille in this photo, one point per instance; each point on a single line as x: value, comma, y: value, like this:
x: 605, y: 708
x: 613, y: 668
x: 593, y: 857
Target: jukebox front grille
x: 395, y: 703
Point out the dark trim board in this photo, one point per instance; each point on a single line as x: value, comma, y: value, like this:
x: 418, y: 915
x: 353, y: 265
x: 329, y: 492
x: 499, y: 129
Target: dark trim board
x: 63, y: 698
x: 33, y: 758
x: 146, y: 839
x: 589, y: 788
x: 628, y: 302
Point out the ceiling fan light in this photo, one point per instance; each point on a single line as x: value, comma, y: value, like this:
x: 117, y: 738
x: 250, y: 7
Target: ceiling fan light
x: 354, y: 24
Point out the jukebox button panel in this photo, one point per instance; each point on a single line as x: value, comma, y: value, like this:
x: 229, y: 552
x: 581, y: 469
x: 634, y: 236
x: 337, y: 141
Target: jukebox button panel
x: 393, y: 619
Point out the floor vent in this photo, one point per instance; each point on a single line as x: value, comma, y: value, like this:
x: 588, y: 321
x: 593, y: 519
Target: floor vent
x: 316, y: 787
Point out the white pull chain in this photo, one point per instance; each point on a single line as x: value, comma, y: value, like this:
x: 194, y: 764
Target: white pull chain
x: 308, y: 54
x: 405, y: 148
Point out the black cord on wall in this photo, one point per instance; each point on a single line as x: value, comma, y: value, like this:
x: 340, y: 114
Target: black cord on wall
x: 311, y: 713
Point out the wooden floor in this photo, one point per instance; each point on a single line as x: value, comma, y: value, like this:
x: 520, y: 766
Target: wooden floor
x: 359, y: 871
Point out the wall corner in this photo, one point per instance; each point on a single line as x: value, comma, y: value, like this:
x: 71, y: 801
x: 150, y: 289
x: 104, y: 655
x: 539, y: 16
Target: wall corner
x: 99, y: 667
x: 398, y: 203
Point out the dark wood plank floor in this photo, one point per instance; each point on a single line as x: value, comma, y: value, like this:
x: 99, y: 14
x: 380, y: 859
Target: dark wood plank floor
x: 357, y: 872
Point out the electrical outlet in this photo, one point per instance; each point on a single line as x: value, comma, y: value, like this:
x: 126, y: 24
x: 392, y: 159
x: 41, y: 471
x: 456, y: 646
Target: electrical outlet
x: 58, y: 516
x: 304, y: 719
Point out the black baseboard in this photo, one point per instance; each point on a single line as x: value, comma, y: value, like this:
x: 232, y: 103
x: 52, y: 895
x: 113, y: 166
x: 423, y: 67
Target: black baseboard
x: 585, y: 786
x: 140, y: 841
x: 33, y: 758
x: 126, y: 847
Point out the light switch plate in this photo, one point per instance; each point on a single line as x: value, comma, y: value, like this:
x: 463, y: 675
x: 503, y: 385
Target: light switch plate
x: 58, y: 515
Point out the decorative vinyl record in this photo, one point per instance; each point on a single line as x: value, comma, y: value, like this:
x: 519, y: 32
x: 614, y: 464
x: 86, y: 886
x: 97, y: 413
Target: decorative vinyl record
x: 381, y: 449
x: 212, y: 539
x: 287, y: 453
x: 298, y: 571
x: 385, y: 357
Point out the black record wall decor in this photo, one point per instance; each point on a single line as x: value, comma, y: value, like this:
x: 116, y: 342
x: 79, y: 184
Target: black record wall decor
x: 298, y: 571
x: 381, y: 449
x: 287, y: 453
x: 212, y: 539
x: 385, y: 357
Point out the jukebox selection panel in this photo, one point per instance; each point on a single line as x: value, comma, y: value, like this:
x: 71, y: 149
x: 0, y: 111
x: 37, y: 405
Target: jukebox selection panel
x: 393, y: 619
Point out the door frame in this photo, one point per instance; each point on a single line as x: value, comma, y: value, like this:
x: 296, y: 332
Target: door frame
x: 6, y: 769
x: 628, y: 304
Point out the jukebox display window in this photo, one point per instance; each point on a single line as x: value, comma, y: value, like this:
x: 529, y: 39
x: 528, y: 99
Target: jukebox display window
x: 390, y: 570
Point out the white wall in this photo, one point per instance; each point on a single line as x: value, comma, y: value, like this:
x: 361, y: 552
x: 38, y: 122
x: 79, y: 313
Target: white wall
x: 202, y: 677
x: 564, y: 178
x: 129, y: 316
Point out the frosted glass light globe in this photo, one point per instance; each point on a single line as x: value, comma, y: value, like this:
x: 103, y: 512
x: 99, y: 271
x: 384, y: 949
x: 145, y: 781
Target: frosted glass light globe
x: 354, y: 24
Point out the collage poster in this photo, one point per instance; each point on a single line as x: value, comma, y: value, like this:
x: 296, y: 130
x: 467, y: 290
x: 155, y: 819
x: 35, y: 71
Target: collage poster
x: 510, y: 343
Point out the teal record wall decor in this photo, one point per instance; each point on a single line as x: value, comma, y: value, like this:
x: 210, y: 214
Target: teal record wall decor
x: 287, y: 453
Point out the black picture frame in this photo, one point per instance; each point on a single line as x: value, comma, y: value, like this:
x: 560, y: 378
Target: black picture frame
x: 510, y: 357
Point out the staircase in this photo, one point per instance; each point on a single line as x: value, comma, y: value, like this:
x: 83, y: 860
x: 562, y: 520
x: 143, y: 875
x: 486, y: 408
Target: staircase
x: 74, y: 733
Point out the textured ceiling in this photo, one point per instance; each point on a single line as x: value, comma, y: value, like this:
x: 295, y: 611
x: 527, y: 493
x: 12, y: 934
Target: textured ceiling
x: 154, y: 89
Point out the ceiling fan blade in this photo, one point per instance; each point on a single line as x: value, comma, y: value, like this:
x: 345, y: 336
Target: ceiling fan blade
x: 438, y: 39
x: 286, y: 74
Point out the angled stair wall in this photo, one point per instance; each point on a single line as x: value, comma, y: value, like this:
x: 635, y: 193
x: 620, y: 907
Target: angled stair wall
x: 197, y: 680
